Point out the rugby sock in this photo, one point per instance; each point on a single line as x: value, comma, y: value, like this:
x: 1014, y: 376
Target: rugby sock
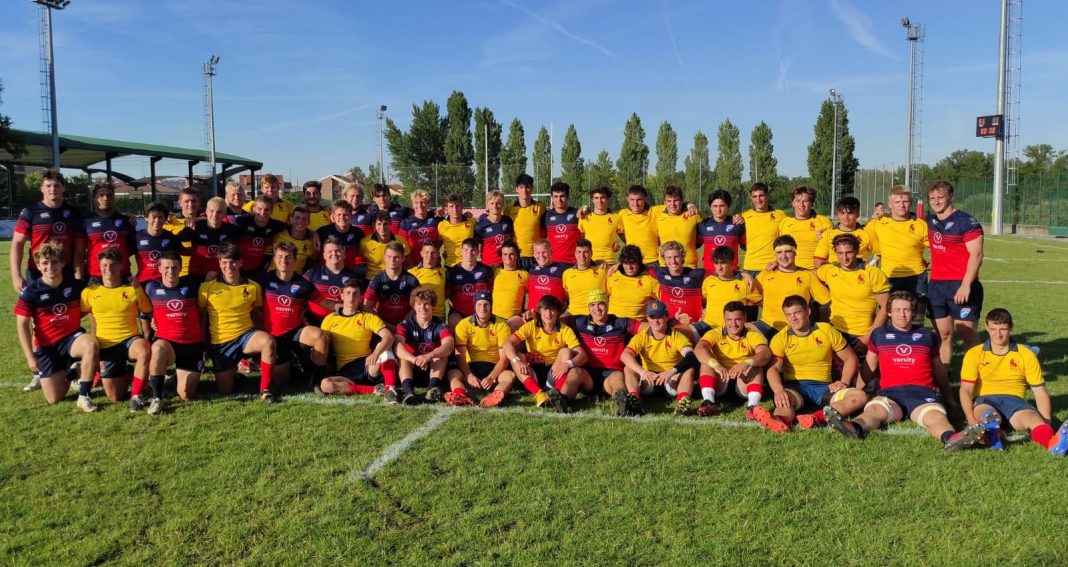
x: 355, y: 388
x: 945, y: 437
x: 408, y: 385
x: 435, y: 382
x: 1043, y: 435
x: 138, y: 386
x: 636, y: 394
x: 389, y: 372
x: 96, y: 380
x: 681, y: 395
x: 753, y: 393
x: 459, y: 391
x: 156, y: 383
x: 84, y: 388
x: 265, y: 375
x: 559, y: 384
x: 531, y: 385
x: 708, y: 387
x: 820, y: 418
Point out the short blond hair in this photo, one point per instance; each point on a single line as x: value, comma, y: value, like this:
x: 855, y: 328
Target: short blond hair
x: 49, y: 251
x: 672, y: 245
x: 219, y: 203
x: 420, y: 194
x: 232, y: 187
x: 900, y: 190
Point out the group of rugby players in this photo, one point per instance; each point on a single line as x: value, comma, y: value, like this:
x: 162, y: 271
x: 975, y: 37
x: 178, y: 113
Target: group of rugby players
x: 380, y: 298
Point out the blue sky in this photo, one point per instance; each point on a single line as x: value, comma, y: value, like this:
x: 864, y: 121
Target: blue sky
x: 299, y: 81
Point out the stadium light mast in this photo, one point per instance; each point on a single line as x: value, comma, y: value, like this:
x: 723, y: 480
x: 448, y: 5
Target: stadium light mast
x: 914, y: 35
x: 836, y: 100
x: 48, y: 6
x: 378, y: 121
x: 209, y: 72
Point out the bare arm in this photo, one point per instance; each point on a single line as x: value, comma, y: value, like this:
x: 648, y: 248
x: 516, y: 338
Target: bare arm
x: 1043, y: 402
x: 971, y: 273
x: 26, y: 342
x: 849, y: 369
x: 18, y: 249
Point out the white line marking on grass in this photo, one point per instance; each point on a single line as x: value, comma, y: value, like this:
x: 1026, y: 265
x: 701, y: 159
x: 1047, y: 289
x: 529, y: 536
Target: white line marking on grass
x: 1028, y: 241
x: 1060, y: 282
x: 394, y: 451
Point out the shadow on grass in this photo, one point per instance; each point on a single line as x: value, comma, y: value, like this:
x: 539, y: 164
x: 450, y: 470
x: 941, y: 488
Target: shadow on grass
x: 1053, y: 355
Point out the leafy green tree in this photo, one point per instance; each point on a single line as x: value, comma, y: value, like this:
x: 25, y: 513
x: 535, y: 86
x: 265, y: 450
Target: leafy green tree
x: 964, y: 165
x: 667, y: 161
x: 633, y: 161
x: 485, y: 123
x: 603, y: 173
x: 729, y: 166
x: 572, y: 166
x: 417, y: 153
x: 459, y: 153
x: 762, y: 163
x: 1039, y: 158
x: 821, y: 152
x: 699, y: 174
x: 7, y: 143
x: 514, y: 154
x: 543, y: 162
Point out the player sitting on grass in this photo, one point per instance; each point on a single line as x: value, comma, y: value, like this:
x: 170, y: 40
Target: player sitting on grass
x: 479, y: 363
x: 907, y: 358
x: 993, y: 381
x: 732, y: 353
x: 604, y: 337
x: 550, y: 347
x: 359, y: 368
x: 113, y: 309
x: 800, y: 374
x: 424, y: 344
x: 51, y: 303
x: 230, y: 302
x: 666, y: 359
x: 179, y: 329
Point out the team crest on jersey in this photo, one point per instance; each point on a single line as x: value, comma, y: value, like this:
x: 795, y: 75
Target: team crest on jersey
x: 737, y: 288
x: 163, y: 242
x: 949, y: 225
x: 294, y: 288
x: 245, y: 293
x: 799, y: 282
x: 125, y: 296
x: 1012, y: 363
x: 66, y: 292
x: 59, y: 228
x: 860, y: 278
x: 118, y: 223
x: 478, y: 275
x: 916, y: 336
x: 818, y: 341
x: 772, y: 216
x: 686, y: 280
x: 730, y: 227
x: 400, y: 285
x: 66, y: 214
x: 812, y: 225
x: 552, y: 270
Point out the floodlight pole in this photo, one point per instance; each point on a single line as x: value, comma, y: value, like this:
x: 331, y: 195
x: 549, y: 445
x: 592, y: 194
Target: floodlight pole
x: 835, y: 100
x: 378, y: 120
x: 914, y: 34
x: 999, y: 141
x: 209, y: 72
x: 50, y: 5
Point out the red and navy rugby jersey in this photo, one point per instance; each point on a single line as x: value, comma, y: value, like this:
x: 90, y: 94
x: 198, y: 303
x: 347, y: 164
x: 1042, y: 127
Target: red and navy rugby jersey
x: 62, y: 225
x: 149, y: 249
x: 712, y: 234
x: 562, y: 231
x: 175, y: 311
x: 393, y: 296
x: 254, y: 241
x: 415, y: 230
x: 363, y: 220
x: 329, y: 286
x: 349, y: 240
x: 493, y: 235
x: 285, y: 302
x: 545, y: 280
x: 605, y: 343
x: 461, y: 286
x: 904, y: 356
x: 948, y: 238
x: 205, y: 241
x: 421, y: 340
x: 116, y: 232
x: 397, y: 213
x: 56, y: 312
x: 682, y: 293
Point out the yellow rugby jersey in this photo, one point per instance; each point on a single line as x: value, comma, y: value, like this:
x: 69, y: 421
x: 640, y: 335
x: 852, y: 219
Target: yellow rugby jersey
x: 658, y: 355
x: 483, y: 343
x: 509, y: 290
x: 229, y: 308
x: 628, y: 296
x: 729, y: 352
x: 775, y: 286
x: 175, y: 225
x: 804, y: 232
x: 826, y: 252
x: 350, y: 335
x: 639, y: 229
x: 718, y: 293
x: 808, y: 357
x: 374, y: 252
x: 761, y: 230
x: 305, y: 249
x: 452, y: 237
x: 681, y: 229
x: 280, y: 212
x: 319, y: 219
x: 546, y: 344
x: 115, y: 311
x: 853, y: 303
x: 577, y: 286
x: 434, y: 278
x: 1008, y: 374
x: 602, y: 230
x: 899, y: 244
x: 526, y: 224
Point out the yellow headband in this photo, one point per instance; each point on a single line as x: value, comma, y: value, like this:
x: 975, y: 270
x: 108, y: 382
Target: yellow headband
x: 785, y: 248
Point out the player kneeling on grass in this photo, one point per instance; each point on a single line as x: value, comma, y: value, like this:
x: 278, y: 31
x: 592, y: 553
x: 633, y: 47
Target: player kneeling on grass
x: 800, y: 375
x: 479, y: 363
x: 51, y: 303
x: 993, y: 381
x: 424, y: 344
x: 230, y: 303
x: 113, y: 308
x: 906, y: 356
x: 552, y: 352
x: 604, y: 337
x: 359, y: 369
x: 179, y: 330
x: 732, y: 354
x: 667, y: 359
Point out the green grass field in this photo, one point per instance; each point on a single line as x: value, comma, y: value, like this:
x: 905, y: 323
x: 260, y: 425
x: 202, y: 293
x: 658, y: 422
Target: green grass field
x: 310, y: 481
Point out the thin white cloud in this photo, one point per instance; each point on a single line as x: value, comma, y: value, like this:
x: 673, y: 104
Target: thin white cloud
x: 674, y: 44
x: 311, y: 121
x: 859, y: 26
x: 561, y: 29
